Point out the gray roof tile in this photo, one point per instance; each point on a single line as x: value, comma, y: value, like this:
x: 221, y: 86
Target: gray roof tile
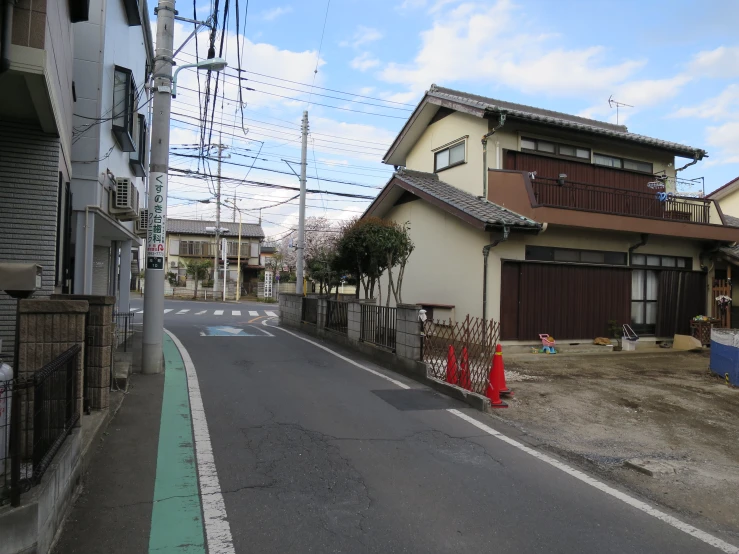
x: 484, y: 211
x: 197, y: 227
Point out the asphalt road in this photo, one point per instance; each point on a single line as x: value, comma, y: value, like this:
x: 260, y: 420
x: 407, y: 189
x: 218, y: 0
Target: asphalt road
x: 315, y: 454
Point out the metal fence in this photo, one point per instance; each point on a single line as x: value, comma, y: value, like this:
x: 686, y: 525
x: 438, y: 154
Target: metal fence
x: 310, y: 310
x: 36, y: 415
x: 337, y: 316
x: 123, y: 322
x: 378, y: 324
x: 474, y: 342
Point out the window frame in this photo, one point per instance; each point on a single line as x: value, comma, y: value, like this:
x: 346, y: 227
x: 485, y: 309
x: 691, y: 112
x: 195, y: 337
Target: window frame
x: 687, y: 260
x: 138, y: 159
x: 124, y: 132
x: 462, y: 143
x: 622, y: 161
x: 645, y: 328
x: 557, y: 149
x: 578, y: 251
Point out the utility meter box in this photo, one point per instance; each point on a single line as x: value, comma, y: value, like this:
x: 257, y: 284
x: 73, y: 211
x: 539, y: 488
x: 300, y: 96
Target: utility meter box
x: 20, y: 280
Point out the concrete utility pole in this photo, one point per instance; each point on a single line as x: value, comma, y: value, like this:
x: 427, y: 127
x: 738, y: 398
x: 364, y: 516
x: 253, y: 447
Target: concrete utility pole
x: 216, y: 265
x: 157, y: 228
x: 301, y: 216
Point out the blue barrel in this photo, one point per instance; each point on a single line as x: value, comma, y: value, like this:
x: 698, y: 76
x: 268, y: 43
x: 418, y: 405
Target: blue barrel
x: 725, y: 354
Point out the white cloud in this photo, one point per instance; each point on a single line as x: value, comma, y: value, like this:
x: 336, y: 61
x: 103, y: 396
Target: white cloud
x: 363, y: 35
x: 725, y: 105
x: 723, y: 62
x: 364, y: 61
x: 274, y: 13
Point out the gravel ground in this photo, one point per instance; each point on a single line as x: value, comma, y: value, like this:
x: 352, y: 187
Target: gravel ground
x: 604, y: 409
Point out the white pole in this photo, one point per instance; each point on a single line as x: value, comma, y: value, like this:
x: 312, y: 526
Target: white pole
x: 301, y: 216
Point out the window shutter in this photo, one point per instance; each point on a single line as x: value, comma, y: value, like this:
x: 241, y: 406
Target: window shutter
x: 174, y: 247
x: 254, y: 250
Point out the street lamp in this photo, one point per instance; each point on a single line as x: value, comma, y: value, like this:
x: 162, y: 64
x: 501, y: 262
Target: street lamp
x: 238, y: 255
x: 213, y: 64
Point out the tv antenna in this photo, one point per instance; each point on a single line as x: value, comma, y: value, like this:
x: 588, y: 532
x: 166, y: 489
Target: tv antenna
x: 612, y: 102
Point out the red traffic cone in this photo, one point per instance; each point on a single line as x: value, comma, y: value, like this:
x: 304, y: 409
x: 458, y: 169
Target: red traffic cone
x: 492, y: 392
x: 464, y: 375
x: 499, y: 372
x: 451, y: 366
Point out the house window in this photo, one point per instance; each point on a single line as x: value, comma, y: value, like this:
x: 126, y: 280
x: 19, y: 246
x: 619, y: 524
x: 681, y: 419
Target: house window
x: 124, y: 106
x: 644, y: 284
x: 449, y: 157
x: 555, y: 149
x: 655, y: 260
x: 622, y: 163
x: 571, y: 255
x: 138, y: 158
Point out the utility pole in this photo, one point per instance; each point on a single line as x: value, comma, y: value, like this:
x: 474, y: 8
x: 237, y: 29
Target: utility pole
x: 301, y: 216
x: 234, y: 210
x: 151, y: 360
x: 216, y: 265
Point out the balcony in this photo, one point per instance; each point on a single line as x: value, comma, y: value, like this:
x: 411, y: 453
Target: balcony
x: 556, y: 193
x: 595, y: 206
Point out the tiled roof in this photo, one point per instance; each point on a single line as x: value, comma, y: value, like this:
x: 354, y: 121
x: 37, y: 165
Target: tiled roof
x: 484, y: 211
x: 731, y: 221
x: 559, y: 119
x: 197, y: 227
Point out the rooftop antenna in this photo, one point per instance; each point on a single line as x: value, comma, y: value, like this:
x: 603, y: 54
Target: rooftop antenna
x: 612, y: 102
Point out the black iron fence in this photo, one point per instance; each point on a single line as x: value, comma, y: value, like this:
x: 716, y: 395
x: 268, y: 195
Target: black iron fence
x: 337, y: 316
x: 378, y: 324
x: 123, y: 323
x: 36, y: 415
x: 461, y: 353
x: 310, y: 310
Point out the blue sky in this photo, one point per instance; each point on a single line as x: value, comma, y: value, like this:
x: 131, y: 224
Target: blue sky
x: 676, y: 62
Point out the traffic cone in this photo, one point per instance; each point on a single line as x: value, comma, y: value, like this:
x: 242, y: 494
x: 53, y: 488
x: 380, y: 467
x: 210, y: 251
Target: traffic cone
x: 499, y: 373
x: 464, y: 375
x: 492, y: 392
x: 451, y: 366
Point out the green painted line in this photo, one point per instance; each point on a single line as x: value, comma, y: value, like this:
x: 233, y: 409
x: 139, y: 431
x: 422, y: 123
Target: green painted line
x: 176, y: 520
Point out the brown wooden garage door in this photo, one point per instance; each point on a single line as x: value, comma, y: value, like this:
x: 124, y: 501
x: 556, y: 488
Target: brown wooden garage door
x: 565, y: 301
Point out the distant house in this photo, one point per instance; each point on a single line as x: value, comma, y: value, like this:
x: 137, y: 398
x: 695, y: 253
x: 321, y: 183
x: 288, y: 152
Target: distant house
x: 549, y: 222
x: 267, y: 255
x: 195, y: 238
x: 727, y: 197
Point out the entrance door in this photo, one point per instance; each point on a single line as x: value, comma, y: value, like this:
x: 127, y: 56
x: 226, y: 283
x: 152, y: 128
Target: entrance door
x: 644, y: 287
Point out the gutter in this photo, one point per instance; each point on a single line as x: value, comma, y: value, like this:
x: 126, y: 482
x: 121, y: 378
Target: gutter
x: 6, y: 32
x: 642, y: 242
x: 501, y: 122
x: 485, y: 253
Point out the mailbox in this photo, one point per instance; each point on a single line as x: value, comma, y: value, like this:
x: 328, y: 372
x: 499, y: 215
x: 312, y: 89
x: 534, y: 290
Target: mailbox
x: 20, y: 280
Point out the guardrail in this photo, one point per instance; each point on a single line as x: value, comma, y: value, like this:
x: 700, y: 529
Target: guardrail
x: 378, y: 325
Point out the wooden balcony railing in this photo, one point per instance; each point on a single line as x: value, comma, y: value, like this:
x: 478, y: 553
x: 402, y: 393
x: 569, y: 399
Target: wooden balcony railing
x: 597, y: 198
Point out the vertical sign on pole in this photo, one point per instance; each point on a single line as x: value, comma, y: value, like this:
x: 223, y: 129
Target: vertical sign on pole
x: 157, y: 227
x: 267, y: 284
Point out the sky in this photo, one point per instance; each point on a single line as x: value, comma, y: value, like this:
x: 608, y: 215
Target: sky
x: 676, y: 62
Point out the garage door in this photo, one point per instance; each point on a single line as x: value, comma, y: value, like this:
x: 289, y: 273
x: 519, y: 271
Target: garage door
x: 565, y: 301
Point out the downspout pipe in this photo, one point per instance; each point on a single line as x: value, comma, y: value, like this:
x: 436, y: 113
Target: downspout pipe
x: 696, y: 159
x: 6, y: 31
x: 644, y: 239
x: 501, y: 122
x: 485, y: 253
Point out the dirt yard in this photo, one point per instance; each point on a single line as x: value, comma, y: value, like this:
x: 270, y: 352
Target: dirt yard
x: 606, y: 409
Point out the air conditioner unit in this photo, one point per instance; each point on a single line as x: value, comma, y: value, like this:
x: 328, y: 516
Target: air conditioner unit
x: 142, y: 223
x: 124, y: 199
x: 173, y: 265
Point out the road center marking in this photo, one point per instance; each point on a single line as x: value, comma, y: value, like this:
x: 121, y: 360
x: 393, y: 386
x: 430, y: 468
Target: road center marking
x: 577, y: 474
x: 217, y: 528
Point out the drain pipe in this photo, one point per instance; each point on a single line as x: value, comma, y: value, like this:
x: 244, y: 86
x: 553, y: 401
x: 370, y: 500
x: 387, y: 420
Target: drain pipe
x: 5, y: 35
x: 485, y: 253
x: 696, y: 159
x: 642, y: 242
x: 501, y: 122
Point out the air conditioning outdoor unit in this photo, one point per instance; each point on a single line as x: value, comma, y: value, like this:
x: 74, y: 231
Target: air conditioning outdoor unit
x: 173, y: 265
x: 142, y: 223
x: 124, y: 199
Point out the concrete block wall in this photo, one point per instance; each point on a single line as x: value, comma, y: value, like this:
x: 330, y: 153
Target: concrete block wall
x: 354, y: 321
x: 322, y: 310
x: 408, y: 332
x: 100, y: 333
x: 291, y: 308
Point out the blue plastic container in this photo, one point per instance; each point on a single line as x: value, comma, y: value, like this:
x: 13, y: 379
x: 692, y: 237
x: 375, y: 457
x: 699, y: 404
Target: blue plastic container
x: 725, y: 354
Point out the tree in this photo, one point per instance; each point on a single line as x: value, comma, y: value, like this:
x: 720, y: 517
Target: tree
x: 197, y: 268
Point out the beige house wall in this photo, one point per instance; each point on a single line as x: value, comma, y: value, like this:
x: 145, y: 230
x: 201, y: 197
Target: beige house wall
x: 730, y: 204
x: 446, y: 266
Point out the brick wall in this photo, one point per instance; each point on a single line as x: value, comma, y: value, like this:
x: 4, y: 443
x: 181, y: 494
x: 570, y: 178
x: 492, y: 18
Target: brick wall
x: 29, y: 188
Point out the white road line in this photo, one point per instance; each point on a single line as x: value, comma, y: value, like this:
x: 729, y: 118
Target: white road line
x: 348, y: 360
x: 272, y: 314
x: 218, y: 312
x: 236, y: 312
x: 577, y: 474
x: 201, y: 313
x: 262, y: 330
x: 167, y: 311
x: 253, y: 313
x: 217, y: 528
x: 182, y: 312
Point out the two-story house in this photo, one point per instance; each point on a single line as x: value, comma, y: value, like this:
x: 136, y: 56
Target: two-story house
x: 549, y: 222
x: 727, y: 196
x: 113, y: 56
x: 195, y: 238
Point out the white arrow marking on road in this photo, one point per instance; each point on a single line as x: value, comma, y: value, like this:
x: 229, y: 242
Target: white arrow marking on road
x: 201, y: 313
x: 167, y: 311
x: 232, y: 330
x: 218, y: 312
x: 182, y: 312
x: 253, y: 313
x: 271, y: 314
x: 236, y: 312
